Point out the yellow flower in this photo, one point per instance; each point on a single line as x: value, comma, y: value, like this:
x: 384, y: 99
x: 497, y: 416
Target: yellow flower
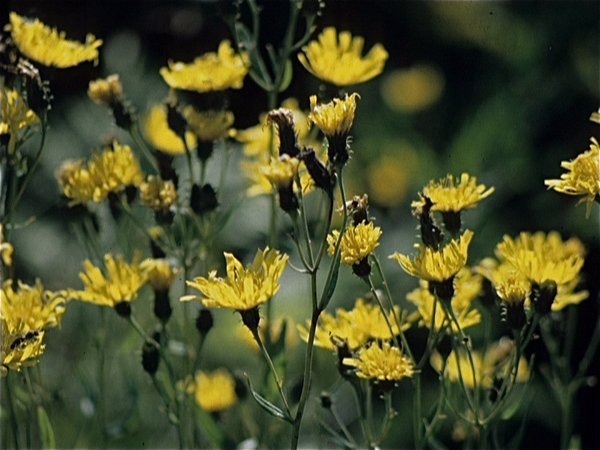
x: 107, y: 91
x: 412, y: 89
x: 210, y: 72
x: 357, y: 242
x: 448, y: 197
x: 19, y: 346
x: 582, y: 178
x: 466, y: 287
x: 381, y: 363
x: 361, y: 324
x: 595, y: 117
x: 108, y: 171
x: 342, y: 63
x: 120, y: 284
x: 157, y: 193
x: 48, y: 46
x: 244, y: 288
x: 209, y: 125
x: 31, y: 306
x: 6, y: 248
x: 16, y: 115
x: 334, y: 118
x: 281, y: 171
x: 156, y: 129
x: 213, y: 391
x: 160, y: 275
x: 494, y: 364
x: 437, y: 265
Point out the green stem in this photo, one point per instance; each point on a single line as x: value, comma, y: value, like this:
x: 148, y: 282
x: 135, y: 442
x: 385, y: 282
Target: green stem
x: 369, y: 281
x: 11, y: 407
x: 417, y: 404
x: 101, y: 340
x: 137, y: 138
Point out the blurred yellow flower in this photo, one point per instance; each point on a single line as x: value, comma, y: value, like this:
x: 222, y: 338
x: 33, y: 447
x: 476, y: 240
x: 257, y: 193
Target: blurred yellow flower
x: 388, y: 179
x: 595, y: 117
x: 120, y: 284
x: 357, y: 326
x: 244, y: 288
x: 16, y: 114
x: 106, y: 91
x: 450, y: 197
x: 412, y: 89
x: 582, y: 178
x: 381, y: 362
x: 342, y: 63
x: 357, y: 243
x: 213, y: 391
x: 19, y: 347
x: 157, y: 193
x: 209, y: 125
x: 281, y: 171
x: 6, y: 248
x: 467, y: 286
x: 156, y: 129
x: 334, y: 118
x: 437, y: 265
x: 210, y: 72
x: 108, y: 171
x: 159, y: 273
x: 48, y: 46
x: 31, y: 306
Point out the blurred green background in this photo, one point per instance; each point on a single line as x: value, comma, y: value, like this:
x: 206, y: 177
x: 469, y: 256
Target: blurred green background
x: 502, y: 90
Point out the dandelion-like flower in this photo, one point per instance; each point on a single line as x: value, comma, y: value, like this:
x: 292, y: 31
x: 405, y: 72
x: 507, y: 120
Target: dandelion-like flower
x: 48, y: 46
x: 16, y: 114
x: 342, y: 63
x: 157, y: 193
x: 6, y: 248
x: 467, y: 286
x: 210, y: 72
x: 213, y: 391
x: 357, y: 243
x: 364, y: 322
x: 118, y: 283
x: 108, y: 171
x: 244, y: 288
x: 334, y: 118
x: 156, y: 129
x: 19, y: 347
x: 106, y: 91
x: 31, y: 306
x: 582, y: 178
x: 209, y: 125
x: 381, y: 363
x: 159, y: 273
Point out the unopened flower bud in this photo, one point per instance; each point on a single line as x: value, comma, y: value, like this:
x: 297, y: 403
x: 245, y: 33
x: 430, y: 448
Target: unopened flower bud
x: 204, y: 322
x: 317, y: 170
x: 431, y: 234
x: 288, y: 139
x: 203, y: 199
x: 162, y: 305
x: 150, y: 358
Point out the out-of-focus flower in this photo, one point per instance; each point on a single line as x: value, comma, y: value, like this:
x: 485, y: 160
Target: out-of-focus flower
x: 48, y: 46
x: 209, y: 125
x: 582, y: 178
x: 412, y: 89
x: 32, y: 306
x: 106, y: 91
x: 157, y: 193
x: 495, y: 363
x: 213, y: 391
x: 450, y: 197
x: 210, y: 72
x: 388, y: 179
x: 156, y: 129
x: 119, y: 283
x: 244, y: 288
x: 357, y: 242
x: 108, y: 171
x: 467, y: 286
x: 281, y: 171
x: 357, y: 326
x: 595, y: 117
x: 19, y: 347
x: 381, y: 363
x: 16, y: 115
x: 6, y: 248
x: 159, y: 273
x: 342, y: 63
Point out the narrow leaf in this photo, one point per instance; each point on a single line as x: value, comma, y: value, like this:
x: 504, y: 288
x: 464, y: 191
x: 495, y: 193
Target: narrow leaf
x: 46, y: 431
x: 267, y: 405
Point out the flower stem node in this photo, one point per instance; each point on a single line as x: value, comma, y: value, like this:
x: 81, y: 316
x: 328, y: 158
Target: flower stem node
x: 543, y: 295
x: 150, y: 358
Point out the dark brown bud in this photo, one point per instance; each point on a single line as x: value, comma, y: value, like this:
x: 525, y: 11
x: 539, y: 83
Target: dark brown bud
x: 452, y: 222
x: 123, y: 309
x: 317, y: 170
x: 162, y: 305
x: 165, y: 166
x: 204, y: 149
x: 431, y: 234
x: 150, y: 358
x: 444, y: 290
x: 204, y: 322
x: 251, y: 318
x: 288, y: 140
x: 543, y: 295
x: 203, y: 199
x: 362, y: 268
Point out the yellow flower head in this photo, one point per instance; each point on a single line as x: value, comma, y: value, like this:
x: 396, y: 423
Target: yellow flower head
x: 120, y: 284
x: 357, y: 242
x: 494, y: 364
x: 16, y: 115
x: 6, y: 248
x: 595, y: 117
x: 156, y: 129
x: 334, y: 118
x: 157, y: 193
x: 209, y: 125
x: 467, y: 286
x: 582, y: 178
x: 160, y: 274
x: 19, y: 346
x: 210, y: 72
x: 108, y: 171
x: 450, y: 197
x: 437, y: 265
x: 342, y: 63
x: 106, y: 91
x: 31, y: 306
x: 213, y: 391
x: 281, y: 171
x: 356, y: 327
x: 244, y: 288
x: 48, y: 46
x: 381, y: 363
x: 514, y: 288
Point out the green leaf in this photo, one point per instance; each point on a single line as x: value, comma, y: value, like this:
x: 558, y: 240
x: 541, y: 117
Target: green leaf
x: 330, y: 288
x: 286, y: 79
x: 213, y: 433
x: 46, y: 431
x: 267, y: 405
